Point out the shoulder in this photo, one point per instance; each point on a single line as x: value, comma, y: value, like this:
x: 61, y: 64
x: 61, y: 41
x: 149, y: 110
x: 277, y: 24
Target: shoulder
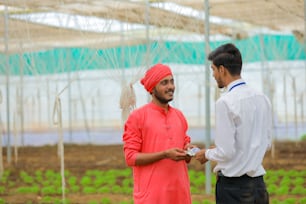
x: 246, y: 93
x: 178, y: 112
x: 259, y: 94
x: 139, y: 112
x: 140, y: 109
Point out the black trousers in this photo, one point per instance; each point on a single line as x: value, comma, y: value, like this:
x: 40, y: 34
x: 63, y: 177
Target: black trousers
x: 241, y: 190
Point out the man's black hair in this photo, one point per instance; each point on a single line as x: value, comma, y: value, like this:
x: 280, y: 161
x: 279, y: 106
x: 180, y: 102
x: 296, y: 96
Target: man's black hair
x: 229, y: 56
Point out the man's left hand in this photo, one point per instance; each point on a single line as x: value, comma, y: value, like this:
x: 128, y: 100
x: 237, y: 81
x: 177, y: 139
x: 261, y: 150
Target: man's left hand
x: 200, y: 156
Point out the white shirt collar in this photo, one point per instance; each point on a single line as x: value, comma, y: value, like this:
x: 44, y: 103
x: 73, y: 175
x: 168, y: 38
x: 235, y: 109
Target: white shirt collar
x: 234, y: 83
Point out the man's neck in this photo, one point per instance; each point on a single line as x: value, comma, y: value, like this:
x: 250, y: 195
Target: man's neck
x: 231, y: 79
x: 164, y: 106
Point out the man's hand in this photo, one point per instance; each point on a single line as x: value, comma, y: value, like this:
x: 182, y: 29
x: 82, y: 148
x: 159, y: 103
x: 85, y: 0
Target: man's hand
x: 200, y: 156
x: 189, y: 146
x: 176, y: 154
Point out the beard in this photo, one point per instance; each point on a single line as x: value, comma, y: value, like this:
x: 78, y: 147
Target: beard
x: 162, y: 99
x: 220, y: 86
x: 220, y: 83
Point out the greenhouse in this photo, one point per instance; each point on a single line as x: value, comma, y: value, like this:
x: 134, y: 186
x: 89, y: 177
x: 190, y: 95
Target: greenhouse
x: 85, y: 53
x: 65, y: 66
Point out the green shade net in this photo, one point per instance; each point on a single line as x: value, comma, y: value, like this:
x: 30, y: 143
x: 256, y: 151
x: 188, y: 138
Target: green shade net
x: 60, y: 60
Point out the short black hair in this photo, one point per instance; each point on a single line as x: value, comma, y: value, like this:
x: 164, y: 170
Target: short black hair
x: 229, y: 56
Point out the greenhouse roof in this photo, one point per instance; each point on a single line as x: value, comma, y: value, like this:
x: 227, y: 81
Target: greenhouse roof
x: 31, y: 25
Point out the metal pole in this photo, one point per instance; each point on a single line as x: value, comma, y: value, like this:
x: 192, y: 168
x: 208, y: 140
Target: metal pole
x: 304, y: 45
x: 122, y: 68
x: 21, y: 98
x: 69, y: 99
x: 207, y: 96
x: 263, y: 66
x: 147, y: 20
x: 7, y: 84
x: 286, y: 104
x: 122, y: 54
x: 295, y: 108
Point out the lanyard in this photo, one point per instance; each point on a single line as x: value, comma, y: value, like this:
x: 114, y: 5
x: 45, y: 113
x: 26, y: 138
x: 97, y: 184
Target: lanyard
x: 241, y: 83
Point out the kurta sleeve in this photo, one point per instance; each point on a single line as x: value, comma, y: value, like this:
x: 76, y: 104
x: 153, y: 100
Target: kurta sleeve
x: 132, y: 139
x: 186, y: 140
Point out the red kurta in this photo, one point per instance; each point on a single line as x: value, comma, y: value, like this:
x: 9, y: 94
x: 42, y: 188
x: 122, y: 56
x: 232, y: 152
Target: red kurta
x: 151, y: 129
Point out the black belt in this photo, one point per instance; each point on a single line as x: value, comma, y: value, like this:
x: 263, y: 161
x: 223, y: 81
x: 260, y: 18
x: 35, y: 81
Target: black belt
x: 239, y: 181
x: 219, y: 173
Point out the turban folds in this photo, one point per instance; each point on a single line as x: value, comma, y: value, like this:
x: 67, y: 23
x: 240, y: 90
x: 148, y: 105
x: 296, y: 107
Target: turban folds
x: 154, y: 75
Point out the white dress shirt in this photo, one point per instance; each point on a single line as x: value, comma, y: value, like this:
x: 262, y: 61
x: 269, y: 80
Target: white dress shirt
x: 243, y: 131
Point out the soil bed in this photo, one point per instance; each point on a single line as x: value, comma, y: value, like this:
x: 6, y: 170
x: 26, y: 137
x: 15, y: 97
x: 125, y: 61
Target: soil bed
x: 80, y: 158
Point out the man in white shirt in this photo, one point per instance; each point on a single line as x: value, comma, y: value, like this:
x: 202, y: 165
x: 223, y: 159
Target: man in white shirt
x: 243, y: 133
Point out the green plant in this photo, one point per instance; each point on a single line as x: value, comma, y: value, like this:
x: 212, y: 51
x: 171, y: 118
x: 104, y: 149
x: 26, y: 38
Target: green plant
x: 303, y: 201
x: 293, y: 173
x: 49, y: 190
x: 290, y: 201
x: 26, y: 178
x: 86, y: 180
x: 2, y: 190
x: 116, y: 189
x: 126, y: 202
x: 105, y: 201
x: 60, y: 201
x: 28, y: 189
x: 283, y: 190
x: 127, y: 182
x: 93, y: 202
x: 46, y: 199
x: 74, y: 188
x: 198, y: 180
x: 299, y: 190
x: 72, y: 180
x: 272, y: 188
x: 213, y: 180
x: 4, y: 177
x: 11, y: 184
x: 39, y: 176
x: 103, y: 189
x: 89, y: 190
x: 275, y: 201
x: 194, y: 190
x: 207, y: 202
x: 2, y: 201
x: 271, y: 178
x: 50, y: 174
x: 303, y: 137
x: 285, y: 181
x: 127, y: 190
x: 46, y: 182
x: 98, y: 181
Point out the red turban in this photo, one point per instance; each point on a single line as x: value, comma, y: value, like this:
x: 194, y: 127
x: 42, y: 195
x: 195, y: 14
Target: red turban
x: 154, y: 75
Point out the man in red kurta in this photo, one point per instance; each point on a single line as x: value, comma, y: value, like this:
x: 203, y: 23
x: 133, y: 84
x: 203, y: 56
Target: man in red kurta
x: 155, y: 141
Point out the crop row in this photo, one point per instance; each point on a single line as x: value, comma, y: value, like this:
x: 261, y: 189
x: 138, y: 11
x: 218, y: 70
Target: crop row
x: 47, y: 184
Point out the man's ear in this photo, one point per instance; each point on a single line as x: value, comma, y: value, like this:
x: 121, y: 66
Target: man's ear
x: 222, y: 69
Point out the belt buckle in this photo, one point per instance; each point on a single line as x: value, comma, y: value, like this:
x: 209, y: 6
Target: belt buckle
x: 219, y: 173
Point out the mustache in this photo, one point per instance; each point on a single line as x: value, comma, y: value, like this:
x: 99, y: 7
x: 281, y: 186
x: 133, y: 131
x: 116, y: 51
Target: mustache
x: 170, y: 90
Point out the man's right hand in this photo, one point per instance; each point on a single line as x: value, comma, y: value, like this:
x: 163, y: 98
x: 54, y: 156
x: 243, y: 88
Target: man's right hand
x: 176, y: 154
